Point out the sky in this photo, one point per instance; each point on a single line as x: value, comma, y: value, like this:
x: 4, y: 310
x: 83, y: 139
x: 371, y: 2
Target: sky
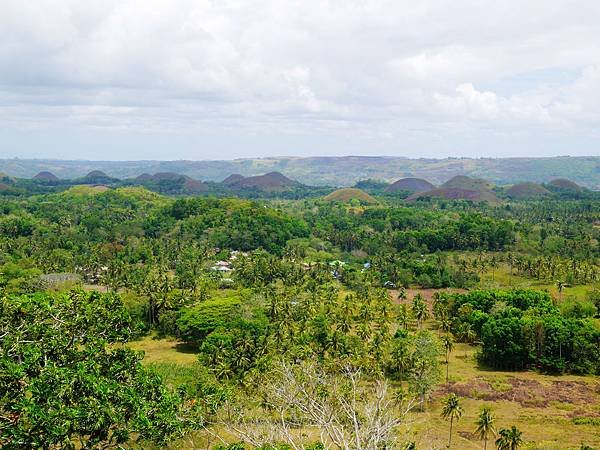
x: 200, y: 79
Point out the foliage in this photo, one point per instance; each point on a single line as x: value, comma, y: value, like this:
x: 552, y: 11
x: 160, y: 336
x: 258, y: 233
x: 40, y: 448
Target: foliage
x: 62, y: 383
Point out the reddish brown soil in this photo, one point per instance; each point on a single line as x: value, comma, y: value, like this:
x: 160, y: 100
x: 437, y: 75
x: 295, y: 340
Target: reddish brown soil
x: 529, y: 393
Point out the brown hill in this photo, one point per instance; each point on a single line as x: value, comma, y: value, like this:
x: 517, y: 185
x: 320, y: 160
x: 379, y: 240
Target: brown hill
x: 96, y: 177
x: 45, y: 176
x: 466, y: 183
x: 410, y: 184
x: 193, y: 186
x: 563, y: 183
x: 96, y: 174
x: 268, y: 181
x: 527, y: 190
x: 346, y: 194
x: 482, y: 195
x: 188, y: 185
x: 166, y: 176
x: 232, y: 179
x: 144, y: 177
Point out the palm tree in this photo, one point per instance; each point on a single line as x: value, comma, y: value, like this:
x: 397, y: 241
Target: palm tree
x: 485, y: 425
x: 403, y: 317
x: 419, y: 309
x: 560, y: 285
x: 509, y: 439
x: 451, y: 410
x: 448, y: 344
x: 401, y: 293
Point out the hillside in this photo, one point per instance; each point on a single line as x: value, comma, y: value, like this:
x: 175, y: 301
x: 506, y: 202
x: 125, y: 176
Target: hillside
x: 347, y: 194
x: 411, y: 185
x: 335, y: 171
x: 527, y: 190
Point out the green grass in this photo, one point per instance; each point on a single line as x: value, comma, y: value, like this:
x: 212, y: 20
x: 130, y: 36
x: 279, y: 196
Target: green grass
x: 558, y: 425
x: 501, y: 278
x: 165, y: 351
x: 544, y: 426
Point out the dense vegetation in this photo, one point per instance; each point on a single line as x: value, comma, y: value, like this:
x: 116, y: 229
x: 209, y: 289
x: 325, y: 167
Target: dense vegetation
x: 303, y: 315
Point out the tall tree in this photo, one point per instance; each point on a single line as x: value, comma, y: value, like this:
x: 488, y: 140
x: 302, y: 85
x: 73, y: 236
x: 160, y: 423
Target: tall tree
x: 509, y: 439
x: 419, y: 309
x: 448, y: 344
x: 452, y: 410
x: 485, y: 425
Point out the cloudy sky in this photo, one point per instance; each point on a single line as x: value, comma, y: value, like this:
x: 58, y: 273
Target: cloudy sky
x: 200, y: 79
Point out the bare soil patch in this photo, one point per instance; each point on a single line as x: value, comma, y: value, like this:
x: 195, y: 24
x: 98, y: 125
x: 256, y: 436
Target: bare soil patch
x: 527, y: 392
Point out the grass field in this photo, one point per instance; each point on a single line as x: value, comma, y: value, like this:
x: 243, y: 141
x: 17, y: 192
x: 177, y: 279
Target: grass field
x: 543, y: 407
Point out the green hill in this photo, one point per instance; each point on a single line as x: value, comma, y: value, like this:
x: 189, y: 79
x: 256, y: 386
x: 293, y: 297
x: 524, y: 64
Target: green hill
x: 347, y: 194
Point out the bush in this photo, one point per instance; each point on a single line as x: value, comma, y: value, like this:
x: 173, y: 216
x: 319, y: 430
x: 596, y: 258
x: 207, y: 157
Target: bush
x: 577, y: 308
x: 197, y: 322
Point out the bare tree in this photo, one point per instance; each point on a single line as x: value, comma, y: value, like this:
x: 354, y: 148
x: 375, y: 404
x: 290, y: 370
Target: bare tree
x: 342, y: 407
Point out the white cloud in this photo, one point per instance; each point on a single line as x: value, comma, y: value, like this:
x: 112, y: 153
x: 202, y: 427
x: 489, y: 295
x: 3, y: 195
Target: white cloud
x: 395, y: 71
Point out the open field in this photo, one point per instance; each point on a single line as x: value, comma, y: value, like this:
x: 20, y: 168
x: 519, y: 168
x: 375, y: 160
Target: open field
x: 543, y: 407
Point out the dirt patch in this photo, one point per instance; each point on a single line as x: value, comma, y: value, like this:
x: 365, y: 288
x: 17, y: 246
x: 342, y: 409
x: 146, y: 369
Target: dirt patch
x: 528, y: 393
x: 426, y: 293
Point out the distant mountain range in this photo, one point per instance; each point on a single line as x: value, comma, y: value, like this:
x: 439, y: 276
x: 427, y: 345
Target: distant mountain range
x: 330, y: 171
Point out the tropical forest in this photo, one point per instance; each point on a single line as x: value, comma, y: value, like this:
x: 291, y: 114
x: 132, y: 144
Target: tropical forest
x: 262, y: 313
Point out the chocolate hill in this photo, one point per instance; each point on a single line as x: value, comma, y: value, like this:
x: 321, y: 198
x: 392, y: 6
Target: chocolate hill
x: 482, y: 195
x: 46, y: 176
x: 232, y: 179
x: 464, y: 182
x: 564, y: 184
x: 267, y: 182
x: 173, y: 182
x: 527, y: 190
x: 96, y: 177
x: 411, y: 185
x: 346, y: 194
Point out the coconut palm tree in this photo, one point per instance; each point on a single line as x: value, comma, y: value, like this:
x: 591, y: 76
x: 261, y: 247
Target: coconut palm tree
x: 451, y: 410
x: 419, y: 309
x: 485, y: 425
x: 448, y: 344
x: 401, y: 293
x: 560, y: 285
x: 509, y: 439
x: 403, y: 317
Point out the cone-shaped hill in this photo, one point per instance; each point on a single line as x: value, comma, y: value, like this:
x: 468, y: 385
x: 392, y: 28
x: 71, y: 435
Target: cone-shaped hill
x: 171, y: 182
x: 347, y: 194
x: 96, y: 177
x: 268, y: 182
x: 564, y: 185
x: 527, y: 190
x: 481, y: 195
x: 410, y: 185
x: 45, y: 176
x: 468, y: 183
x: 232, y: 179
